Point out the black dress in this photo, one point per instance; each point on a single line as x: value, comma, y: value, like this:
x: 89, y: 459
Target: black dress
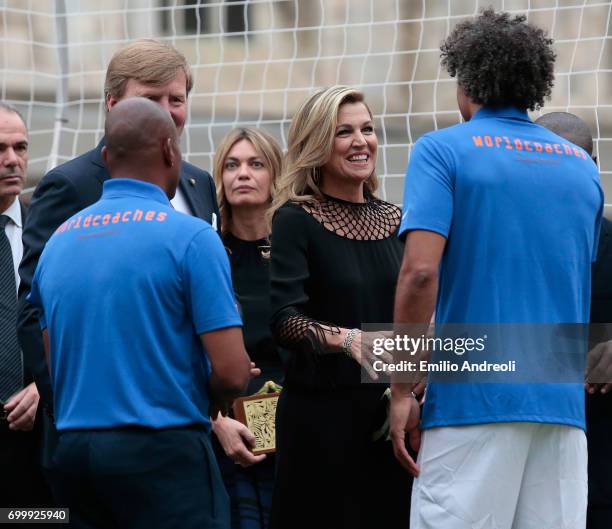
x: 333, y: 264
x: 250, y: 266
x: 250, y: 489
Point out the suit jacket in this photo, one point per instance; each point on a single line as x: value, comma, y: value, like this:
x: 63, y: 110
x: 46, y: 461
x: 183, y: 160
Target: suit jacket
x: 601, y: 287
x: 598, y: 406
x: 61, y: 193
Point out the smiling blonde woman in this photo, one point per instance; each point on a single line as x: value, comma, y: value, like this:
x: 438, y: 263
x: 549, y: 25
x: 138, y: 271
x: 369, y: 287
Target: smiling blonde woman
x: 334, y: 265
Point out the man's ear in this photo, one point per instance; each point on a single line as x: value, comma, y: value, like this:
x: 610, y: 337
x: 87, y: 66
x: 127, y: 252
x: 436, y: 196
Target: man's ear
x: 110, y: 102
x: 105, y: 154
x: 168, y: 152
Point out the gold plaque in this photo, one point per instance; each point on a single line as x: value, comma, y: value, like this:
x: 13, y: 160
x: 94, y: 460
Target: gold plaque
x: 258, y: 413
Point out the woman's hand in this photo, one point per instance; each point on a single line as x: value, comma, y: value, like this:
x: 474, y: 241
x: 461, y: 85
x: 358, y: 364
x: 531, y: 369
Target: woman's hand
x: 362, y: 351
x: 237, y: 441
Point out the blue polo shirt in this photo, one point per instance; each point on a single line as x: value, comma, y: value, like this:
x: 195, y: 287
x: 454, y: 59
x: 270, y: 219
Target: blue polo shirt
x: 126, y: 286
x: 520, y: 209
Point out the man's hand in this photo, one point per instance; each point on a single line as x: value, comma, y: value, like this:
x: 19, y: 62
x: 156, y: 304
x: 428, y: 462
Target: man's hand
x: 237, y: 441
x: 599, y: 368
x: 255, y: 371
x: 404, y: 418
x: 22, y: 407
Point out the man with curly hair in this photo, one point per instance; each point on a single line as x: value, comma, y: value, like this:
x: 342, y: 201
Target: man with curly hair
x: 501, y: 219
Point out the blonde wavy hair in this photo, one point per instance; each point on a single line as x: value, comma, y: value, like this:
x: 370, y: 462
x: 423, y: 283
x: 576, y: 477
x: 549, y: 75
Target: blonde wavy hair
x: 310, y: 144
x: 265, y: 146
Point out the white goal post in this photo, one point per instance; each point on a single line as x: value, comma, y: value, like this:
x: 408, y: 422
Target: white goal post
x: 254, y: 61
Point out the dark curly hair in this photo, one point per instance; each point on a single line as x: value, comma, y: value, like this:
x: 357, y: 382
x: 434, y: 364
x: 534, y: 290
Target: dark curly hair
x: 500, y: 60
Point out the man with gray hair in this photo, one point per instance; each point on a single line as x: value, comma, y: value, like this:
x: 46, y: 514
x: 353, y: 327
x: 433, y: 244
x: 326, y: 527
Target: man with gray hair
x: 22, y: 484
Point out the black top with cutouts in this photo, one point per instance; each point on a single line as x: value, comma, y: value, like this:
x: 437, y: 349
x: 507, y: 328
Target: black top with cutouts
x: 333, y: 264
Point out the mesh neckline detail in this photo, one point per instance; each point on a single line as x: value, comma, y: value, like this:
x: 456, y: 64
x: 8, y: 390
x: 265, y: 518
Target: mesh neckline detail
x: 372, y: 220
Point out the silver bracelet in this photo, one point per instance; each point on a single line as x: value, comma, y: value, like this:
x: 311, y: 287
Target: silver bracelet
x: 348, y: 341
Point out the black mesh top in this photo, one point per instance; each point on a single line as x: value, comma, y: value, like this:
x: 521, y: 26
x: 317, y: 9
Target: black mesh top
x: 333, y: 264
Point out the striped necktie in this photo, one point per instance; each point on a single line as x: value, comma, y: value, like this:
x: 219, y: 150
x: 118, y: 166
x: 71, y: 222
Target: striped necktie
x: 11, y: 367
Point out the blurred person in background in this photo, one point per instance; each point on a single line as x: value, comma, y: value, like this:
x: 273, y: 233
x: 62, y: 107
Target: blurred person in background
x: 22, y: 483
x: 246, y: 167
x: 143, y: 340
x: 598, y: 400
x: 501, y: 220
x: 145, y: 68
x: 335, y: 260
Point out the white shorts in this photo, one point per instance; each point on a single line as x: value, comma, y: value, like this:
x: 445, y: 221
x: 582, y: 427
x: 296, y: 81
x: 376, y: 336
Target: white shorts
x: 501, y: 476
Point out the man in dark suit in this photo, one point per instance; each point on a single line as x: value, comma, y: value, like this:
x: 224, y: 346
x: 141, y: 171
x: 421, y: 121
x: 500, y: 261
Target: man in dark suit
x: 22, y: 484
x: 145, y: 68
x: 598, y: 404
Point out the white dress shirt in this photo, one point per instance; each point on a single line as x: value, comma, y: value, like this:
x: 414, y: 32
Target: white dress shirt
x: 13, y: 230
x: 179, y: 203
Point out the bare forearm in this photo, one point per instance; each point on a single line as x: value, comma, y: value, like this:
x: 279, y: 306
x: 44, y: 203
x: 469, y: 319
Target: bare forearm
x: 222, y: 394
x: 47, y: 347
x: 415, y: 299
x: 414, y: 306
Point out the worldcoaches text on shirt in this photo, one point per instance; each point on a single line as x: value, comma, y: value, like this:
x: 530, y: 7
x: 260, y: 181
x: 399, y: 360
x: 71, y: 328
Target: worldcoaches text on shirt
x: 124, y: 336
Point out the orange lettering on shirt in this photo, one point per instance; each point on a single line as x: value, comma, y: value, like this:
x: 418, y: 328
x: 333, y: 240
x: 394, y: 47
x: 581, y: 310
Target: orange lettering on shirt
x: 538, y: 146
x: 150, y: 215
x: 498, y: 141
x: 548, y: 148
x: 582, y: 154
x: 488, y: 141
x: 126, y: 216
x: 527, y: 148
x: 557, y: 148
x: 508, y: 143
x: 161, y: 216
x: 95, y: 220
x: 477, y: 141
x: 106, y: 219
x: 137, y: 215
x: 87, y: 221
x: 78, y: 223
x: 116, y: 218
x: 518, y: 144
x: 567, y: 149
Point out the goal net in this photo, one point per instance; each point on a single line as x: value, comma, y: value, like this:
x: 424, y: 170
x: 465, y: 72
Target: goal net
x: 255, y: 61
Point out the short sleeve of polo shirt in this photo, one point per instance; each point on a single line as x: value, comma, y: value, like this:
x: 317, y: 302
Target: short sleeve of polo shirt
x: 428, y: 189
x: 208, y: 284
x: 598, y: 220
x: 35, y: 299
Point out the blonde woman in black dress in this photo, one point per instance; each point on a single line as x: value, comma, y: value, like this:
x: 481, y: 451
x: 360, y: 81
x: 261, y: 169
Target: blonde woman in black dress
x: 335, y: 259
